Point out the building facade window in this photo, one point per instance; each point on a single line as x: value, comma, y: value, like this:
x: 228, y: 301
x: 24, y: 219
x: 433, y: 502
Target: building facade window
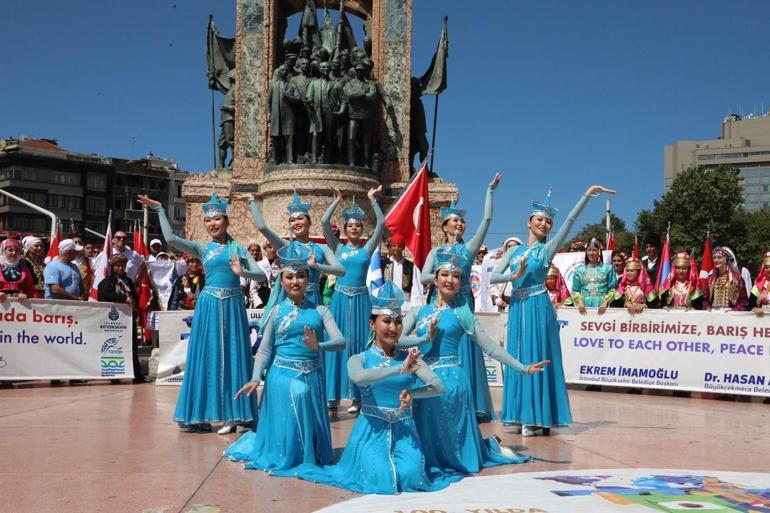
x: 95, y: 205
x: 64, y: 202
x: 179, y: 212
x: 96, y: 182
x: 97, y: 226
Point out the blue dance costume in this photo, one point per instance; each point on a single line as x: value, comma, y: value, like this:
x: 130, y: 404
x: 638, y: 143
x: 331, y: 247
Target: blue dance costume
x: 469, y: 352
x: 350, y: 304
x: 383, y: 454
x: 326, y: 261
x: 293, y: 423
x: 219, y: 358
x: 447, y: 425
x: 533, y: 333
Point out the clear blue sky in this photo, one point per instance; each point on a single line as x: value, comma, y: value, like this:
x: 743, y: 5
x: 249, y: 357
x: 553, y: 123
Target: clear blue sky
x: 551, y: 93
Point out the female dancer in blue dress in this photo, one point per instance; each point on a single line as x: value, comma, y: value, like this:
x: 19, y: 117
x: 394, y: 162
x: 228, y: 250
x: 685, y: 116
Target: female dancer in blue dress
x: 533, y: 334
x: 447, y: 425
x: 219, y: 357
x: 299, y: 228
x: 350, y: 304
x: 293, y: 425
x: 383, y: 454
x: 470, y: 354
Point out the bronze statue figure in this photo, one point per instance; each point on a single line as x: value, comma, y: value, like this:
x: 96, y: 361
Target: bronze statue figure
x: 227, y: 124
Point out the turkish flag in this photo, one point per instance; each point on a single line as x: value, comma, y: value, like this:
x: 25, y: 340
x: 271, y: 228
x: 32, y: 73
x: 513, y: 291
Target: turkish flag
x: 410, y: 216
x: 102, y: 262
x: 706, y: 264
x: 53, y: 245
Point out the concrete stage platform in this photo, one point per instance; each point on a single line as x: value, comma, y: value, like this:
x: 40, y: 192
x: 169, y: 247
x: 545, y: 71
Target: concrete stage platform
x: 101, y: 448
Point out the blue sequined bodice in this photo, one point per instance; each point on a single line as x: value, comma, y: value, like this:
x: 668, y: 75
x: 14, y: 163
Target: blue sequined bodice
x: 289, y: 330
x: 356, y: 263
x: 450, y: 331
x: 386, y: 393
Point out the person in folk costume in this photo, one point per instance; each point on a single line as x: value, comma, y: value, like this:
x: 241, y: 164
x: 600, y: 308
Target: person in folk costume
x: 293, y: 425
x: 533, y: 333
x: 383, y: 453
x: 557, y: 288
x: 619, y: 263
x: 15, y: 278
x: 635, y: 292
x: 726, y: 290
x: 760, y: 292
x: 219, y: 358
x: 188, y: 286
x: 324, y: 260
x: 34, y: 262
x: 593, y: 284
x: 453, y: 226
x: 350, y: 303
x: 117, y: 287
x: 684, y: 292
x: 447, y: 425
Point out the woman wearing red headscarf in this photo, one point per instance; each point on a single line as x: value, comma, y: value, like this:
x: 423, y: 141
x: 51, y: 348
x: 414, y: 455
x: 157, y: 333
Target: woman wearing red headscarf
x: 760, y: 293
x: 557, y: 289
x: 684, y: 293
x: 15, y: 279
x: 635, y: 291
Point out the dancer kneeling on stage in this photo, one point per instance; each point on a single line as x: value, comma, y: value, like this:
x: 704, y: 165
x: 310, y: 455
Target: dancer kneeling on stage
x: 384, y: 454
x: 293, y: 425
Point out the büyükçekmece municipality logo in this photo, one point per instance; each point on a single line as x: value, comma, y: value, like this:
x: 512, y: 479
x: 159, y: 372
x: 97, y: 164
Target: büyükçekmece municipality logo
x: 113, y: 362
x: 114, y: 315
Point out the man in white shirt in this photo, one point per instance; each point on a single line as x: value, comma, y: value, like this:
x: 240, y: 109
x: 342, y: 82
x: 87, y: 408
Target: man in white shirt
x: 400, y: 270
x: 501, y: 292
x: 135, y: 267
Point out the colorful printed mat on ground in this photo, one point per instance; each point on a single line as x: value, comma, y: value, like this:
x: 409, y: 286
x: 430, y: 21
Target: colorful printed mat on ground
x: 584, y: 491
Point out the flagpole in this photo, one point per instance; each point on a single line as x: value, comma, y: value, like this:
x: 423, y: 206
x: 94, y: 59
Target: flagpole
x: 145, y: 219
x: 213, y: 132
x: 89, y: 230
x: 433, y: 139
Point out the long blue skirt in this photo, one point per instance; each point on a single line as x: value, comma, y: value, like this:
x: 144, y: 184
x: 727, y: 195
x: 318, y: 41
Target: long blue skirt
x: 472, y: 359
x: 219, y: 362
x: 351, y: 313
x: 449, y: 432
x: 293, y: 424
x: 379, y: 457
x: 533, y: 336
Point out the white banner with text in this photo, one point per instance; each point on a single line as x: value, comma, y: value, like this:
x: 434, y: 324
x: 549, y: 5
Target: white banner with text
x: 174, y: 331
x: 722, y: 352
x: 52, y: 339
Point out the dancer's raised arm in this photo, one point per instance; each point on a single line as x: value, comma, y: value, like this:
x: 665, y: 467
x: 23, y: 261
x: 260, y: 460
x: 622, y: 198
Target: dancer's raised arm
x: 554, y: 244
x: 475, y: 243
x: 326, y: 222
x: 172, y: 239
x: 379, y: 217
x: 273, y: 238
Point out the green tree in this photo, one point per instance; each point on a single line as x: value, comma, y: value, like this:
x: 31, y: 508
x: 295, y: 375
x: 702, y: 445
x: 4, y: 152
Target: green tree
x: 757, y: 240
x: 699, y: 199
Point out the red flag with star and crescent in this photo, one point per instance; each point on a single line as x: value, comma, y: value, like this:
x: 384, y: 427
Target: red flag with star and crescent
x: 410, y: 216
